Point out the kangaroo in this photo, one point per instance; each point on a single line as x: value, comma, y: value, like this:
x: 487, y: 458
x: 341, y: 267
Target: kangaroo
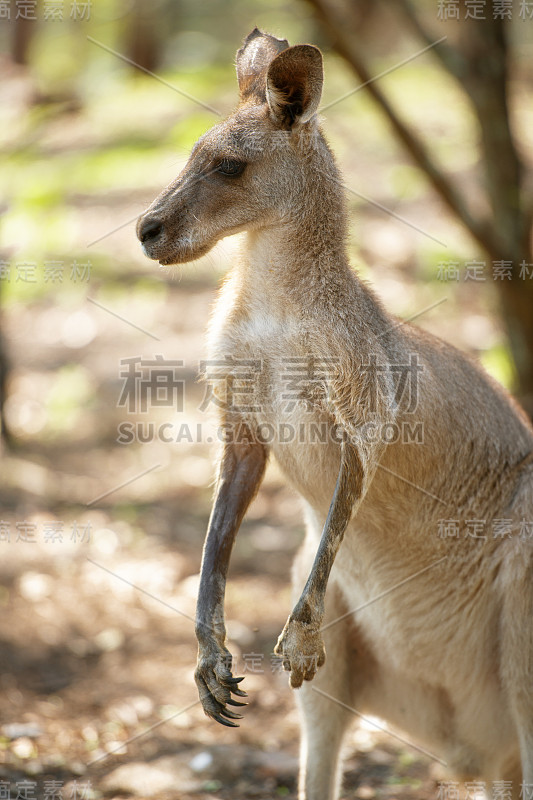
x: 425, y: 546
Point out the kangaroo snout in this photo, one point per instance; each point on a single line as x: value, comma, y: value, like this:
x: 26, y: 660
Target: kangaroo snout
x: 148, y: 228
x: 158, y: 236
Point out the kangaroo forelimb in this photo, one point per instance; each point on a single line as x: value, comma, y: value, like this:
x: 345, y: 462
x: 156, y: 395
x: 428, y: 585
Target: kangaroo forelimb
x: 240, y: 474
x: 300, y: 643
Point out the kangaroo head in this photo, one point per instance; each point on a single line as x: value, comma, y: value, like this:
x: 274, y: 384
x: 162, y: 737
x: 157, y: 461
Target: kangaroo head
x: 248, y: 171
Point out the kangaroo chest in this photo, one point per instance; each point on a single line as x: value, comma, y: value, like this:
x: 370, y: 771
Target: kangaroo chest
x: 265, y: 374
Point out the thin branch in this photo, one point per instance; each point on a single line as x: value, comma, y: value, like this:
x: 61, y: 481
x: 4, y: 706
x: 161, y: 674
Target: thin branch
x: 451, y: 59
x: 479, y: 62
x: 339, y: 32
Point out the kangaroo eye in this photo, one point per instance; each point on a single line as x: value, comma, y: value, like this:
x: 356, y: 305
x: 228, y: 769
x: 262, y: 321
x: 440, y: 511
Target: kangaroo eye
x: 229, y: 167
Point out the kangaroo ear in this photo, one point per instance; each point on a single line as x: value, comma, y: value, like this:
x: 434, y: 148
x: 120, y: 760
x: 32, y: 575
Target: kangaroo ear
x: 294, y: 84
x: 252, y: 62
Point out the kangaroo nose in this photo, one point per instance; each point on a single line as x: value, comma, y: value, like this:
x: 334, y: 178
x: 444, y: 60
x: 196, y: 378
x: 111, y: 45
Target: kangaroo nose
x: 149, y: 228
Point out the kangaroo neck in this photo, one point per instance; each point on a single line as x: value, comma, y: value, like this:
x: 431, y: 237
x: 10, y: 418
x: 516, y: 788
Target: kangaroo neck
x: 298, y: 266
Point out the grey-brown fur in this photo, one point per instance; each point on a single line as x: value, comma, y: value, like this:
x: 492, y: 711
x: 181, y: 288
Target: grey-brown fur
x: 447, y: 655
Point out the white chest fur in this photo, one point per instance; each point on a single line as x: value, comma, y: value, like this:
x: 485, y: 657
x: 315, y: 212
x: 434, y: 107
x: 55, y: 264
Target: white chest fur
x: 268, y: 377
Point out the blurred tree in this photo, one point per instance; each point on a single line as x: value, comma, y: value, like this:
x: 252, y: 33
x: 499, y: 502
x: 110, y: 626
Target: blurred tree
x: 479, y: 60
x: 4, y: 431
x: 23, y: 29
x: 143, y: 45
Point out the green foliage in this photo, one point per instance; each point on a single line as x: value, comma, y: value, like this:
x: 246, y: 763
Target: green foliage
x: 72, y: 389
x: 498, y: 363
